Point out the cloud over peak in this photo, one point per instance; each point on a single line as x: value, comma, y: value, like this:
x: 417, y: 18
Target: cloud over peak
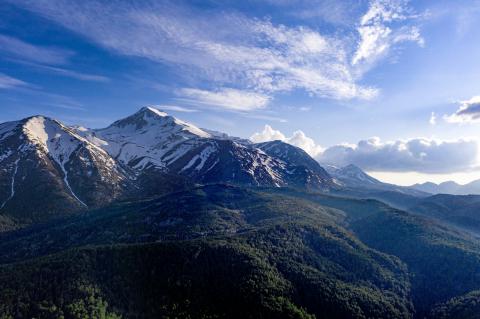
x: 298, y: 139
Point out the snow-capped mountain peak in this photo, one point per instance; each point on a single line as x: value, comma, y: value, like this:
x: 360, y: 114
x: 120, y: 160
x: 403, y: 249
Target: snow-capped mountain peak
x: 352, y: 175
x: 154, y: 111
x: 43, y: 157
x: 52, y: 137
x: 154, y: 119
x: 355, y: 172
x: 149, y: 137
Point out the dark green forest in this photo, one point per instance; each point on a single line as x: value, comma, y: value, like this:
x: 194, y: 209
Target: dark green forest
x: 221, y: 251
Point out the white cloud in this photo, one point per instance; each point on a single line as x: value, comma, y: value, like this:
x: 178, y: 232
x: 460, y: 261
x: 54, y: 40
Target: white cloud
x: 175, y: 108
x: 20, y: 49
x: 229, y: 49
x: 72, y: 74
x: 8, y: 82
x: 43, y: 58
x: 304, y: 142
x: 469, y: 112
x: 419, y: 155
x: 298, y: 139
x: 268, y: 134
x: 227, y: 98
x: 331, y: 11
x: 379, y: 30
x: 433, y: 119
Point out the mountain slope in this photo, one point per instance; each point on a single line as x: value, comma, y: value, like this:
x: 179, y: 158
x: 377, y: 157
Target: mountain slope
x: 46, y: 168
x: 443, y: 262
x: 315, y: 242
x: 458, y: 210
x: 356, y: 183
x: 354, y: 177
x: 307, y: 170
x: 220, y: 247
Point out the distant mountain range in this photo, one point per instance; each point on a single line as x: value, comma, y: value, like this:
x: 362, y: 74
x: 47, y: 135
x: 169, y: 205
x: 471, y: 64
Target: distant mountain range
x: 449, y: 188
x: 354, y: 178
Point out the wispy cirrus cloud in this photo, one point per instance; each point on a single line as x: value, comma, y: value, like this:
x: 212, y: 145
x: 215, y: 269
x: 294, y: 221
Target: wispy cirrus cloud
x: 232, y: 99
x: 379, y: 30
x: 19, y: 49
x: 229, y: 49
x: 8, y: 82
x: 224, y: 53
x: 468, y: 112
x: 73, y: 74
x: 175, y: 108
x: 44, y: 58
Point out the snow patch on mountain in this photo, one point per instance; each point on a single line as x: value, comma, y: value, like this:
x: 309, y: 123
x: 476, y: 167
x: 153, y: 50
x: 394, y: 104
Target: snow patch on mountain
x: 203, y: 157
x: 12, y: 185
x: 56, y: 142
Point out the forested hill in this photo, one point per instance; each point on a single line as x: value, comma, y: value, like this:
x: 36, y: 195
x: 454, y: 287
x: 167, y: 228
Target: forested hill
x: 220, y: 251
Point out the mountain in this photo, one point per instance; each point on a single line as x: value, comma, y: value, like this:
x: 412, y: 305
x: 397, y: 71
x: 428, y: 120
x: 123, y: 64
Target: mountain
x: 354, y: 178
x: 449, y: 188
x: 471, y: 188
x: 457, y: 210
x: 442, y: 188
x: 147, y: 138
x: 304, y: 166
x: 152, y: 140
x: 46, y: 169
x: 429, y: 187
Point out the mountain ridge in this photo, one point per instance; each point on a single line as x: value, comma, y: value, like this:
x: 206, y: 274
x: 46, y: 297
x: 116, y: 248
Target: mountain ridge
x: 450, y: 187
x: 144, y: 154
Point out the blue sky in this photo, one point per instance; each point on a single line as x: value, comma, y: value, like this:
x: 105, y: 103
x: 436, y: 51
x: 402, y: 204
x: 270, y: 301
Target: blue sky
x: 389, y: 85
